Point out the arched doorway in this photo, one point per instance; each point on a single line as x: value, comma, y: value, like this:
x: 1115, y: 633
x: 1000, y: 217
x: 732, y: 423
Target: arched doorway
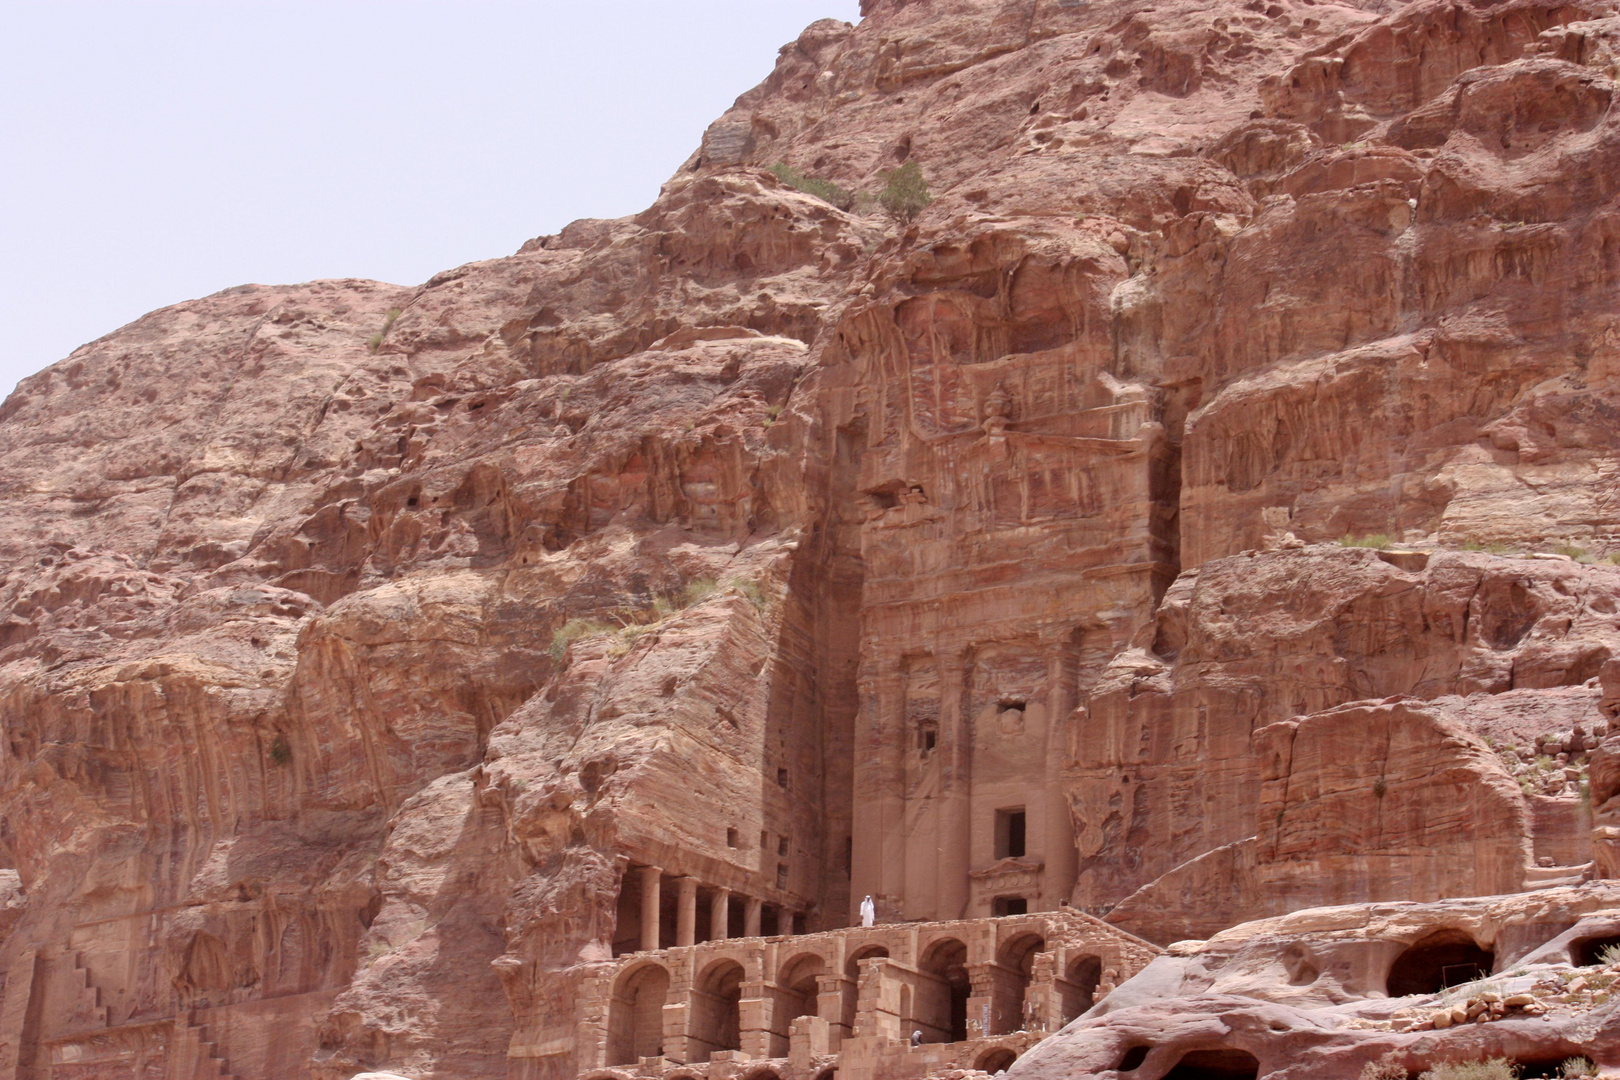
x: 1015, y: 964
x: 1077, y: 989
x: 636, y: 1015
x: 1444, y: 958
x: 797, y: 993
x: 994, y: 1061
x: 1216, y: 1065
x: 716, y: 1009
x: 852, y: 970
x: 942, y: 992
x: 801, y: 987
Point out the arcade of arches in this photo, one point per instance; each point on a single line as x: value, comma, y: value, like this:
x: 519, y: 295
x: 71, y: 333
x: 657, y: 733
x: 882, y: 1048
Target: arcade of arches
x: 885, y: 1002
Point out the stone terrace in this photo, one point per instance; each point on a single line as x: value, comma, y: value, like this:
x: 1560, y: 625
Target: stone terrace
x: 883, y: 1002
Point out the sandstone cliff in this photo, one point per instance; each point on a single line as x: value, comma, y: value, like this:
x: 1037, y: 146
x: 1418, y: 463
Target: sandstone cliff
x: 358, y: 642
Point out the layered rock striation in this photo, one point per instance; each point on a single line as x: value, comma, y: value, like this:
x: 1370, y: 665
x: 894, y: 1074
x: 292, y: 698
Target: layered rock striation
x: 1202, y: 510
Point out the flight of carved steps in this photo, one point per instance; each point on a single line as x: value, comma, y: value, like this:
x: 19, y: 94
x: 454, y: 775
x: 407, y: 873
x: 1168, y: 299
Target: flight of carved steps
x: 89, y: 1012
x: 195, y: 1056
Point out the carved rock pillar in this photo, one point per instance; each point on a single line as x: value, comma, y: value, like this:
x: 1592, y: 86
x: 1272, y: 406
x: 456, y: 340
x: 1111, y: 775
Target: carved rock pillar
x: 720, y: 915
x: 830, y: 996
x: 1059, y: 848
x: 1043, y: 1004
x: 981, y: 1001
x: 754, y: 1018
x: 686, y: 911
x: 752, y: 909
x: 678, y: 1046
x: 651, y: 877
x: 956, y: 785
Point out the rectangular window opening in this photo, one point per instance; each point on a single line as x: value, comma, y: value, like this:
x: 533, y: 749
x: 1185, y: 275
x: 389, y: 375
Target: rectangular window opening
x: 781, y: 779
x: 927, y: 739
x: 782, y: 845
x: 731, y: 838
x: 1002, y: 906
x: 1010, y: 833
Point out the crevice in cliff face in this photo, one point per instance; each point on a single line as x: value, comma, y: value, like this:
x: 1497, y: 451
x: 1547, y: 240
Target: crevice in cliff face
x: 1165, y: 484
x: 832, y: 572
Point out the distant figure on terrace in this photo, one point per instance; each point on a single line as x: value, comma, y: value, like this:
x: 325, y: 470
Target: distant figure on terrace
x: 868, y: 912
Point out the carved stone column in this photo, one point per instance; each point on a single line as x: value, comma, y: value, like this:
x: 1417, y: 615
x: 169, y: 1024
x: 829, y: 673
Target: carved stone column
x: 752, y: 907
x: 956, y: 780
x: 651, y: 878
x: 720, y: 915
x: 686, y: 911
x: 1059, y: 848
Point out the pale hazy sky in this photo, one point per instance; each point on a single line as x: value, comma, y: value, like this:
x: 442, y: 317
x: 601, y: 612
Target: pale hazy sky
x: 152, y: 152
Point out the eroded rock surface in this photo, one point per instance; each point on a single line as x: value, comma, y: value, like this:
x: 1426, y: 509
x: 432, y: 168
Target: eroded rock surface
x: 1328, y: 991
x: 363, y: 648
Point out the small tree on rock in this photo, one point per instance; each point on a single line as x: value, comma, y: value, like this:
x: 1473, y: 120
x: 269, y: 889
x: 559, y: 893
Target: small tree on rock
x: 905, y: 192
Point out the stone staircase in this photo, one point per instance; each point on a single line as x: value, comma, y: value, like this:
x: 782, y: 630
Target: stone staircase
x: 88, y: 1010
x: 195, y: 1055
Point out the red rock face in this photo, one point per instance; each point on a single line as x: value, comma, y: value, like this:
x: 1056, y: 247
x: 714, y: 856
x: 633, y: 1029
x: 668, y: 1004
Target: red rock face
x: 360, y: 645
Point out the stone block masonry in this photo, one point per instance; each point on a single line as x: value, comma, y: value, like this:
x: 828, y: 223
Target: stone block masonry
x: 889, y: 1001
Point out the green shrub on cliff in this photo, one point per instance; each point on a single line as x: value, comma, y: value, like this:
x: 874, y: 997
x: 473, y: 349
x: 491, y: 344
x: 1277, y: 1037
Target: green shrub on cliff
x: 905, y: 192
x: 825, y: 190
x: 376, y: 340
x: 1377, y: 540
x: 571, y: 631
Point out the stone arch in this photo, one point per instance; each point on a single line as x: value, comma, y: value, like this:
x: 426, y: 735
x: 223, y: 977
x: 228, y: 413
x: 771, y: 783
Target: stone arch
x: 636, y: 1014
x: 852, y: 969
x: 1219, y: 1064
x: 764, y: 1072
x: 1077, y: 990
x: 716, y: 1009
x: 942, y: 992
x: 1444, y: 958
x: 1015, y: 965
x: 799, y: 978
x: 996, y: 1059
